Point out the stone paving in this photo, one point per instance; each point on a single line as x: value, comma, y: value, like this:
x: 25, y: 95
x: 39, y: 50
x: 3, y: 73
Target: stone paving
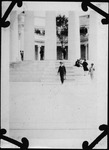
x: 51, y: 114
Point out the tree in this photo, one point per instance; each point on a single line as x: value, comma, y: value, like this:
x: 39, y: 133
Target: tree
x: 83, y: 31
x: 62, y: 28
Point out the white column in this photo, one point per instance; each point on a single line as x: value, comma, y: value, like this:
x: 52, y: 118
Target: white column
x: 5, y: 48
x: 29, y: 48
x: 102, y: 70
x: 93, y: 36
x: 5, y: 44
x: 21, y: 17
x: 22, y: 39
x: 98, y: 54
x: 39, y: 46
x: 73, y: 36
x: 50, y: 36
x: 14, y: 41
x: 19, y: 57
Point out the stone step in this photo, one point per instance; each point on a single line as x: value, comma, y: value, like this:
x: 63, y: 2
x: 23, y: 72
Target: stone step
x: 41, y: 71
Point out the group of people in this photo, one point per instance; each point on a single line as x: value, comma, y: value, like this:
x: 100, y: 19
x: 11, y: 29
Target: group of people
x: 90, y: 70
x: 84, y: 64
x: 78, y: 63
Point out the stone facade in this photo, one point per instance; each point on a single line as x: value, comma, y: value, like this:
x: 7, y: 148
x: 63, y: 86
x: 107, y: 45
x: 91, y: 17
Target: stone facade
x: 30, y: 42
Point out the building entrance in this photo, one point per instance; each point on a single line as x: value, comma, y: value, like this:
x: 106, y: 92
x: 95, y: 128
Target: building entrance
x: 42, y: 53
x: 84, y: 51
x: 62, y: 54
x: 39, y: 52
x: 36, y: 52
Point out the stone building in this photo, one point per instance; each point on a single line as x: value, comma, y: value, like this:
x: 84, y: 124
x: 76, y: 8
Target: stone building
x: 23, y: 38
x: 25, y: 33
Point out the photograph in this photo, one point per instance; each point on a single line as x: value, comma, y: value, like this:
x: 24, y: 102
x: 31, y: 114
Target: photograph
x: 54, y: 74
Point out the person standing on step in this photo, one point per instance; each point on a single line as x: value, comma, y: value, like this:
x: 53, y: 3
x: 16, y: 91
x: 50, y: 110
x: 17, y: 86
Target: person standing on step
x: 62, y: 72
x: 85, y: 67
x: 91, y: 71
x: 22, y: 55
x: 41, y: 53
x: 64, y: 53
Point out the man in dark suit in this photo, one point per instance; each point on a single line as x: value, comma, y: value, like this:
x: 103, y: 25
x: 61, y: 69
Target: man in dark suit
x: 85, y: 68
x: 64, y: 53
x: 41, y: 53
x: 62, y: 71
x: 22, y: 55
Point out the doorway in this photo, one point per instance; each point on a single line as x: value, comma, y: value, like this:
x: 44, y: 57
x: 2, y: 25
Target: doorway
x: 36, y: 52
x: 60, y: 53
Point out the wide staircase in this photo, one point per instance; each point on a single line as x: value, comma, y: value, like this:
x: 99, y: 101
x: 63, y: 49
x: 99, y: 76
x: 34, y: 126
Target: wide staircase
x: 42, y: 71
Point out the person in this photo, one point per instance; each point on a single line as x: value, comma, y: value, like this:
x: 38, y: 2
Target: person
x: 80, y: 62
x: 62, y: 72
x: 85, y: 66
x: 64, y: 53
x: 91, y: 71
x: 22, y: 55
x: 41, y: 53
x: 77, y: 63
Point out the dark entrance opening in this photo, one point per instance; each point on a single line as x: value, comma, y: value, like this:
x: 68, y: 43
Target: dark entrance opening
x: 60, y: 53
x: 42, y: 53
x: 36, y: 52
x: 83, y: 52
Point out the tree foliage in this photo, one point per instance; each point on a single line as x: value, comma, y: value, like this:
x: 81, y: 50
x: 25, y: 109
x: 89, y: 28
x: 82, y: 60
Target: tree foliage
x: 83, y: 31
x: 62, y: 28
